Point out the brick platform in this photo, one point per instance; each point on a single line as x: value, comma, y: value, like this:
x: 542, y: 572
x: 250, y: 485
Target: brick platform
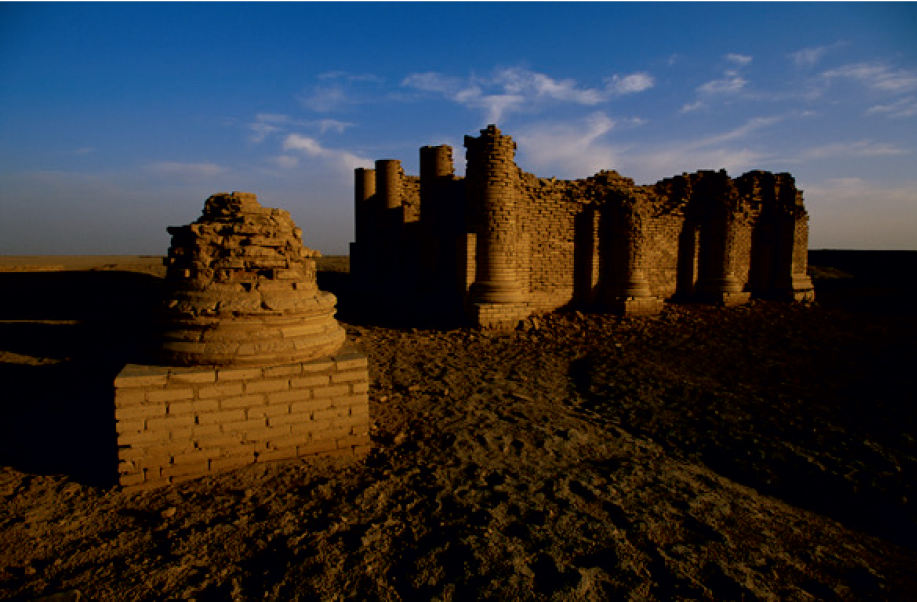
x: 182, y: 423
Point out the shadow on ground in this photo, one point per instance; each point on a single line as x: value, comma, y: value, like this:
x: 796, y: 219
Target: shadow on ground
x: 64, y: 336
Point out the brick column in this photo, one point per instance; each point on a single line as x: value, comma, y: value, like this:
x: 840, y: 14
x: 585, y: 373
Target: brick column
x: 390, y: 216
x: 791, y: 280
x: 491, y: 185
x: 362, y: 251
x: 625, y: 289
x: 436, y: 173
x: 717, y: 282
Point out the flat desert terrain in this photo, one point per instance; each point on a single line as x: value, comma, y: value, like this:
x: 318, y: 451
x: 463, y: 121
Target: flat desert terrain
x: 767, y: 451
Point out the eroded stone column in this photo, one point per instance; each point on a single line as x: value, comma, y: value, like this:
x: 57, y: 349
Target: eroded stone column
x: 491, y: 184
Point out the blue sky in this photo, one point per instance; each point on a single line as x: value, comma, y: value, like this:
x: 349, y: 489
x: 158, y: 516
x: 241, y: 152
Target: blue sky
x: 117, y: 120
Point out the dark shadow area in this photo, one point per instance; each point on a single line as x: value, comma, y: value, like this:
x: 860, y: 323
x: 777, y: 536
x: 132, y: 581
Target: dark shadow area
x: 64, y: 336
x: 883, y: 282
x: 812, y: 405
x: 390, y: 307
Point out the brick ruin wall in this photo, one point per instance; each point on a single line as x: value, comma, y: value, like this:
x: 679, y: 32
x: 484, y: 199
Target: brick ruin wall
x: 599, y: 242
x: 246, y: 362
x: 180, y: 423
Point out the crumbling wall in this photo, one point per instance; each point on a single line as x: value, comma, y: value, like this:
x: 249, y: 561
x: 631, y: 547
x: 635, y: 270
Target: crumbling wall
x: 526, y: 244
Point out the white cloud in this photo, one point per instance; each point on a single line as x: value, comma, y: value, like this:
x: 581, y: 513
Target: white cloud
x: 522, y: 82
x: 339, y: 90
x: 905, y: 107
x: 730, y: 150
x: 333, y: 125
x: 266, y: 124
x: 729, y: 85
x: 751, y: 125
x: 286, y: 161
x: 876, y: 76
x: 338, y: 159
x: 569, y: 149
x: 692, y: 106
x: 808, y: 57
x: 326, y: 98
x: 629, y: 84
x: 518, y: 89
x: 739, y: 59
x: 351, y: 77
x: 859, y: 148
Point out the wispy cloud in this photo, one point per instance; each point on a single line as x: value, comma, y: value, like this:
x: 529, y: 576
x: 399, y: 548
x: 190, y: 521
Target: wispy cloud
x: 631, y: 84
x: 338, y: 90
x: 730, y: 84
x: 312, y: 148
x: 520, y: 89
x: 569, y: 149
x: 905, y: 107
x: 739, y: 59
x: 267, y: 124
x: 727, y: 85
x: 875, y: 76
x: 806, y: 58
x: 857, y: 148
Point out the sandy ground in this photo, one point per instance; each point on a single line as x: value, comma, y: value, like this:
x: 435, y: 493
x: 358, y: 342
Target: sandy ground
x: 761, y: 452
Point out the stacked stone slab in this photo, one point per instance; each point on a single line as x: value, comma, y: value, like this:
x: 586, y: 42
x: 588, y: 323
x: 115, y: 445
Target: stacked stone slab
x: 524, y: 244
x: 248, y: 363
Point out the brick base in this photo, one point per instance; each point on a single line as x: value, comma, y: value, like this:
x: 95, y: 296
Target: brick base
x: 176, y: 423
x: 498, y: 315
x: 639, y: 306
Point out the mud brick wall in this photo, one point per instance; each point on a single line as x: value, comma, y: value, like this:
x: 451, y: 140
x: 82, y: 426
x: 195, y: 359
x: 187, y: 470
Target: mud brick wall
x: 661, y: 259
x: 548, y: 218
x: 176, y: 424
x: 538, y: 244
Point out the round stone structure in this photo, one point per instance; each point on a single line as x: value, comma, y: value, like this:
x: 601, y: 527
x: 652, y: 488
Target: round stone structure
x: 241, y: 289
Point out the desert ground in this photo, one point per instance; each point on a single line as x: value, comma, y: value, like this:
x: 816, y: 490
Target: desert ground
x: 767, y: 451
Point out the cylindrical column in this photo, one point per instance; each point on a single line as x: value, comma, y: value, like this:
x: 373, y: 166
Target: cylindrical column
x: 792, y: 241
x: 436, y: 231
x: 364, y: 189
x: 363, y: 249
x: 435, y: 163
x: 390, y: 214
x: 388, y: 183
x: 491, y: 184
x: 717, y: 276
x: 624, y: 275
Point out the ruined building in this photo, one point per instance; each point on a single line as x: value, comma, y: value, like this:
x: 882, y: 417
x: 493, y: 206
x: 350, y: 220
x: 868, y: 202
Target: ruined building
x: 246, y: 361
x: 504, y: 244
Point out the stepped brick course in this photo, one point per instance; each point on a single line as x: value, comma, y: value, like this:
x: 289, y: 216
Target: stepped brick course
x: 507, y: 244
x: 247, y: 363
